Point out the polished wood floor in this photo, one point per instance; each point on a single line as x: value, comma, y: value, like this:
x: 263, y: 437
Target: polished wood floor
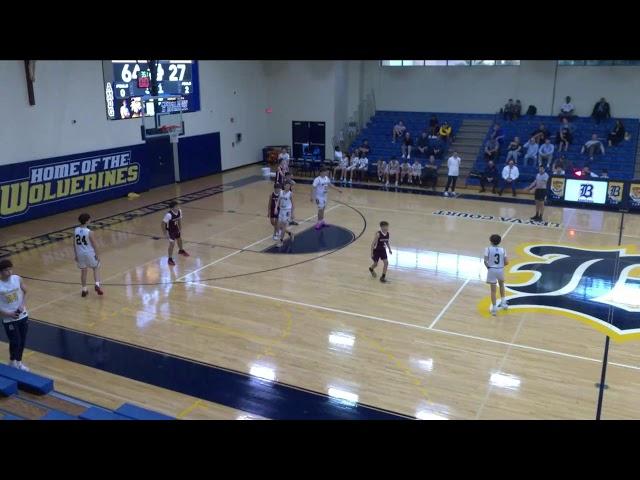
x: 417, y: 346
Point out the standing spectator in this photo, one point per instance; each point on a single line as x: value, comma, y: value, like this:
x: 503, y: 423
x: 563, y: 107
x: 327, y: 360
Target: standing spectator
x: 491, y: 149
x: 510, y: 174
x: 564, y: 137
x: 545, y: 153
x: 514, y: 150
x: 591, y: 147
x: 423, y: 144
x: 508, y: 110
x: 434, y: 126
x: 365, y: 148
x: 13, y: 313
x: 453, y: 164
x: 490, y: 175
x: 540, y: 134
x: 517, y: 110
x: 407, y: 145
x: 431, y: 173
x: 601, y: 111
x: 445, y: 132
x: 567, y: 109
x: 283, y: 159
x: 497, y: 134
x: 398, y: 130
x: 531, y: 151
x: 540, y: 186
x: 617, y: 134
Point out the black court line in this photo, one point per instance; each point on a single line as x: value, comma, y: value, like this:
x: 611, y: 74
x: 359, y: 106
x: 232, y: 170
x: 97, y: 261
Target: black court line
x: 67, y: 232
x: 231, y: 388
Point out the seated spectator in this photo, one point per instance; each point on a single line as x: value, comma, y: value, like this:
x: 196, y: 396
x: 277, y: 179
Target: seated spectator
x: 337, y: 155
x: 435, y: 147
x: 517, y: 110
x: 445, y: 132
x: 531, y: 152
x: 605, y: 173
x: 617, y: 134
x: 491, y: 149
x: 567, y: 109
x: 342, y: 167
x: 365, y: 148
x: 591, y: 147
x: 514, y: 150
x: 565, y: 163
x: 510, y: 174
x: 540, y: 134
x: 564, y: 137
x: 383, y: 169
x: 601, y: 111
x: 490, y: 175
x: 545, y: 153
x: 586, y: 172
x: 407, y: 145
x: 398, y: 130
x: 423, y: 144
x: 431, y: 173
x: 405, y: 172
x: 416, y: 172
x: 394, y: 171
x: 508, y: 110
x: 558, y: 170
x: 497, y: 134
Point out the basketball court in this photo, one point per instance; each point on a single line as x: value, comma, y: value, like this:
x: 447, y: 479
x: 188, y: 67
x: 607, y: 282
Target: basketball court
x: 310, y: 320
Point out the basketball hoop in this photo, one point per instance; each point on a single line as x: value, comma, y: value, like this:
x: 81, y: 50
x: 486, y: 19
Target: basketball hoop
x: 173, y: 131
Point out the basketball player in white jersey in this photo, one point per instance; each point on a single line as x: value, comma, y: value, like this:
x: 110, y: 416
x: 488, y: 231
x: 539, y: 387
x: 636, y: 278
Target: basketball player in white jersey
x: 319, y: 192
x: 495, y: 259
x: 13, y: 313
x: 86, y: 254
x: 285, y: 205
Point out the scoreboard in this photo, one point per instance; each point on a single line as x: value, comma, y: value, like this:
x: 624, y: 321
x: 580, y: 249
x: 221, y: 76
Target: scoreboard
x: 608, y: 193
x: 127, y: 81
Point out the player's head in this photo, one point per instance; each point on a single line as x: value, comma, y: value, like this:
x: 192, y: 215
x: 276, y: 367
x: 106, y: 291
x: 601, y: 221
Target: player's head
x: 286, y: 187
x: 277, y: 187
x: 384, y: 226
x: 495, y: 239
x: 84, y: 218
x: 6, y: 268
x: 324, y: 172
x: 173, y: 204
x: 511, y: 162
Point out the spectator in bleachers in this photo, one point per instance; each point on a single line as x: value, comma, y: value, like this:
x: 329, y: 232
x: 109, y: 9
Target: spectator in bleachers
x: 398, y: 130
x: 510, y: 174
x: 423, y: 144
x: 489, y: 176
x: 558, y: 170
x: 567, y: 109
x: 453, y: 165
x: 591, y: 147
x: 514, y: 150
x: 365, y: 148
x: 605, y: 173
x: 337, y: 155
x: 431, y: 173
x: 601, y: 111
x: 530, y: 151
x: 540, y: 134
x: 508, y: 110
x: 564, y: 137
x: 343, y: 165
x: 491, y: 149
x: 383, y: 170
x: 434, y: 125
x: 407, y: 145
x: 405, y: 172
x: 617, y: 134
x: 435, y: 147
x: 586, y: 172
x: 517, y: 110
x: 283, y: 159
x: 497, y: 134
x: 545, y: 153
x: 445, y: 132
x: 416, y: 172
x: 394, y: 171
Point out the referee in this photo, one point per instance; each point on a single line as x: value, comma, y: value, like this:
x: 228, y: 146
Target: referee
x: 13, y: 313
x: 540, y: 186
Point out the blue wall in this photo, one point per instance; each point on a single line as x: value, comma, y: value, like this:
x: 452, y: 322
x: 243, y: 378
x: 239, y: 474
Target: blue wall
x: 48, y: 186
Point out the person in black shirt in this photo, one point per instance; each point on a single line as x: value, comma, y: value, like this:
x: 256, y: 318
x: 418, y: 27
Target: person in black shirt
x: 540, y: 134
x: 365, y: 148
x: 617, y: 134
x: 423, y: 144
x: 490, y: 175
x: 601, y: 111
x: 407, y: 145
x: 430, y: 173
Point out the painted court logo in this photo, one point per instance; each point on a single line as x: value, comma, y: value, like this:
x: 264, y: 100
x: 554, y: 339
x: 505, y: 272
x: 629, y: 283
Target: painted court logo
x: 598, y: 286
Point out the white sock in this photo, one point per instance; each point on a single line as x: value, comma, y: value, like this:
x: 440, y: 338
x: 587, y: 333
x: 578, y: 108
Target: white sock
x: 97, y: 284
x: 84, y: 289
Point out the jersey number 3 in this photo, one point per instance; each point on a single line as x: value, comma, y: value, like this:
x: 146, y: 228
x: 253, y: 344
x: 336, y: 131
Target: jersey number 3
x: 497, y: 258
x: 81, y: 240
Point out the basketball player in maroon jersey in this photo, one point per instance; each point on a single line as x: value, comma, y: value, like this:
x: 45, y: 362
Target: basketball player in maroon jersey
x: 272, y: 210
x: 171, y: 227
x: 379, y: 251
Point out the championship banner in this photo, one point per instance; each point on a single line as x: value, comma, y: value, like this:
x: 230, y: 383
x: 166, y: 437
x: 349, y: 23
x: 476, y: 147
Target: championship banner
x: 614, y: 193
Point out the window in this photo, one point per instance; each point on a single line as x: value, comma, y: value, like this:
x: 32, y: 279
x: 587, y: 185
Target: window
x: 597, y: 63
x: 507, y: 62
x: 391, y: 63
x: 450, y: 63
x: 458, y: 62
x: 483, y: 62
x: 435, y: 63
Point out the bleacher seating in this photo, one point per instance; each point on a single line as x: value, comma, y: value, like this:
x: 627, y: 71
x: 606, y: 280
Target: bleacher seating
x: 618, y: 160
x: 28, y: 396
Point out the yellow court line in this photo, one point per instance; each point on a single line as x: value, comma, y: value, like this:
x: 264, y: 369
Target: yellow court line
x: 189, y: 409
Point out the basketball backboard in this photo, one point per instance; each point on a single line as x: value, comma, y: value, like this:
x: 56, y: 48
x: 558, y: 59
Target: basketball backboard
x: 162, y: 115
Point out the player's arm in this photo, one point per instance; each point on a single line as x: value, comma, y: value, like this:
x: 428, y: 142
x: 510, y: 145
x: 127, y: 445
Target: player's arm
x: 24, y: 296
x: 164, y: 227
x: 486, y: 258
x: 389, y: 246
x: 335, y: 188
x: 506, y: 260
x: 313, y: 188
x: 93, y: 243
x: 374, y: 243
x: 75, y: 251
x: 533, y: 184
